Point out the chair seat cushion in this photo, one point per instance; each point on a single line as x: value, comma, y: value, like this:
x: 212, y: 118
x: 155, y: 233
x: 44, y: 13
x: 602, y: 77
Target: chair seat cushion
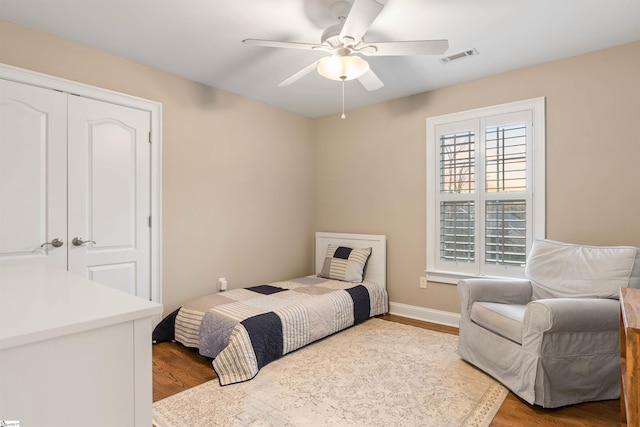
x: 503, y: 319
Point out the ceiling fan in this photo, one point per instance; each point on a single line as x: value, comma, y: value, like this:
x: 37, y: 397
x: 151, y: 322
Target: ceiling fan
x: 345, y: 42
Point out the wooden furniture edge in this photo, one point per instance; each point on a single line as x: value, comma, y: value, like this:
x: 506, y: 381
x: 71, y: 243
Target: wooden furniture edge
x: 629, y: 356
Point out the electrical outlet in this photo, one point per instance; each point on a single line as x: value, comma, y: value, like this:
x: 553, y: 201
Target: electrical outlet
x: 423, y: 283
x: 222, y: 284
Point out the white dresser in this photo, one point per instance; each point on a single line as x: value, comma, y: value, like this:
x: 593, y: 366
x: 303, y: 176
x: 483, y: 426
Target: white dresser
x: 73, y: 352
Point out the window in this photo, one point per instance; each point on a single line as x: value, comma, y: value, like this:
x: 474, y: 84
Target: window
x: 485, y: 190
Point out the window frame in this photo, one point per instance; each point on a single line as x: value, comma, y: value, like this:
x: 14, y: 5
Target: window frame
x: 452, y: 272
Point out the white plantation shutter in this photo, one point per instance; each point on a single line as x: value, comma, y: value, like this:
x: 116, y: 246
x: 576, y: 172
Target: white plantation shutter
x: 506, y: 158
x: 505, y: 232
x: 482, y: 211
x: 457, y: 160
x: 457, y: 231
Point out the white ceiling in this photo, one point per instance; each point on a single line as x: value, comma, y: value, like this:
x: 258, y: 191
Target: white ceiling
x: 201, y: 40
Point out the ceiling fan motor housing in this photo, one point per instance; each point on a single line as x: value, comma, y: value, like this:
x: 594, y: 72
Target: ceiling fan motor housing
x: 344, y: 40
x: 331, y: 36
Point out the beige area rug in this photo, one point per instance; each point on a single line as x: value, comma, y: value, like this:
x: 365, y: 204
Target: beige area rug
x: 378, y: 373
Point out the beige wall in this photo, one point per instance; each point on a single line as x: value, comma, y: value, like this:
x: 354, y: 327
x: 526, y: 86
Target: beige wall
x: 242, y: 179
x: 370, y: 168
x: 237, y: 188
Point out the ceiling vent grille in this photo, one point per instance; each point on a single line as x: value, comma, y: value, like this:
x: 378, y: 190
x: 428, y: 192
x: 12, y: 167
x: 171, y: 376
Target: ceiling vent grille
x: 459, y: 56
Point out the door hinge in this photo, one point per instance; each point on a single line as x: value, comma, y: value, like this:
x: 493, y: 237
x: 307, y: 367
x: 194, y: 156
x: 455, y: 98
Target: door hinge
x: 149, y: 137
x: 149, y: 221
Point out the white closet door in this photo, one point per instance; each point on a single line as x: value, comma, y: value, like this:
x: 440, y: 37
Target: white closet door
x: 33, y: 179
x: 109, y: 194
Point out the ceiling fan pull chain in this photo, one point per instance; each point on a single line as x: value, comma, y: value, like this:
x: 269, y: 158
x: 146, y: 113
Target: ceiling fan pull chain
x: 343, y: 116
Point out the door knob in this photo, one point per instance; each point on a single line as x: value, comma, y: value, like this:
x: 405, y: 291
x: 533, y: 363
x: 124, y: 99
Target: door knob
x: 77, y: 241
x: 56, y: 243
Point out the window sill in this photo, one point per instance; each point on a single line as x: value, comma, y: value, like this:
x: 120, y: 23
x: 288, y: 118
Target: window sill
x: 452, y: 278
x: 447, y: 277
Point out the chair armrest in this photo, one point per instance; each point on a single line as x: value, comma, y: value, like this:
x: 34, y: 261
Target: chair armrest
x: 505, y: 291
x: 571, y: 315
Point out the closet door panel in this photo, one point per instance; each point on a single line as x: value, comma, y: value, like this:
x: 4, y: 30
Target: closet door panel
x: 109, y: 194
x: 33, y: 174
x: 112, y: 175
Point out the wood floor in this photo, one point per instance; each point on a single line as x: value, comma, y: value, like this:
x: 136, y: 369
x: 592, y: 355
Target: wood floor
x: 177, y: 368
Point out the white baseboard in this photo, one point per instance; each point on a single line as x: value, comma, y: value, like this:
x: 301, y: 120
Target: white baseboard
x: 427, y: 314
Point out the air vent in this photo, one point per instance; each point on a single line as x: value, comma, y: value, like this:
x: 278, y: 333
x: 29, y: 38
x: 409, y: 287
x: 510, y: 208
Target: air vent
x: 459, y: 56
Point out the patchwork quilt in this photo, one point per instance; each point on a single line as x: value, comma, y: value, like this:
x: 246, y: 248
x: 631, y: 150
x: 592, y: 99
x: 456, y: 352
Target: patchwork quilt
x: 245, y: 329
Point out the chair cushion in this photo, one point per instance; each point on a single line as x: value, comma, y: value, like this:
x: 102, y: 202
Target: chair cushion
x: 563, y: 270
x: 502, y: 319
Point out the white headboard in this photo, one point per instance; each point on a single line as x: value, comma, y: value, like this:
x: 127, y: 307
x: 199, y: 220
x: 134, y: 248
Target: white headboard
x: 376, y: 271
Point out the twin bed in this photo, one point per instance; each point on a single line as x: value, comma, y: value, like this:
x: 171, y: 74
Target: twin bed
x: 242, y: 330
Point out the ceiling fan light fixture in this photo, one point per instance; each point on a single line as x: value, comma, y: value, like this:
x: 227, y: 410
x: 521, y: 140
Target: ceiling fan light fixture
x: 342, y: 67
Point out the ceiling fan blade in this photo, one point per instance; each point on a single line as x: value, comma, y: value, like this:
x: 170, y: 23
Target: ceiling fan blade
x: 300, y: 74
x: 361, y: 16
x: 281, y: 44
x: 370, y: 81
x: 415, y: 47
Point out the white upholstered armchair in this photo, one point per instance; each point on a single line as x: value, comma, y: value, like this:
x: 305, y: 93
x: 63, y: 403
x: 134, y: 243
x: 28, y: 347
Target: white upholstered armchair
x: 553, y: 337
